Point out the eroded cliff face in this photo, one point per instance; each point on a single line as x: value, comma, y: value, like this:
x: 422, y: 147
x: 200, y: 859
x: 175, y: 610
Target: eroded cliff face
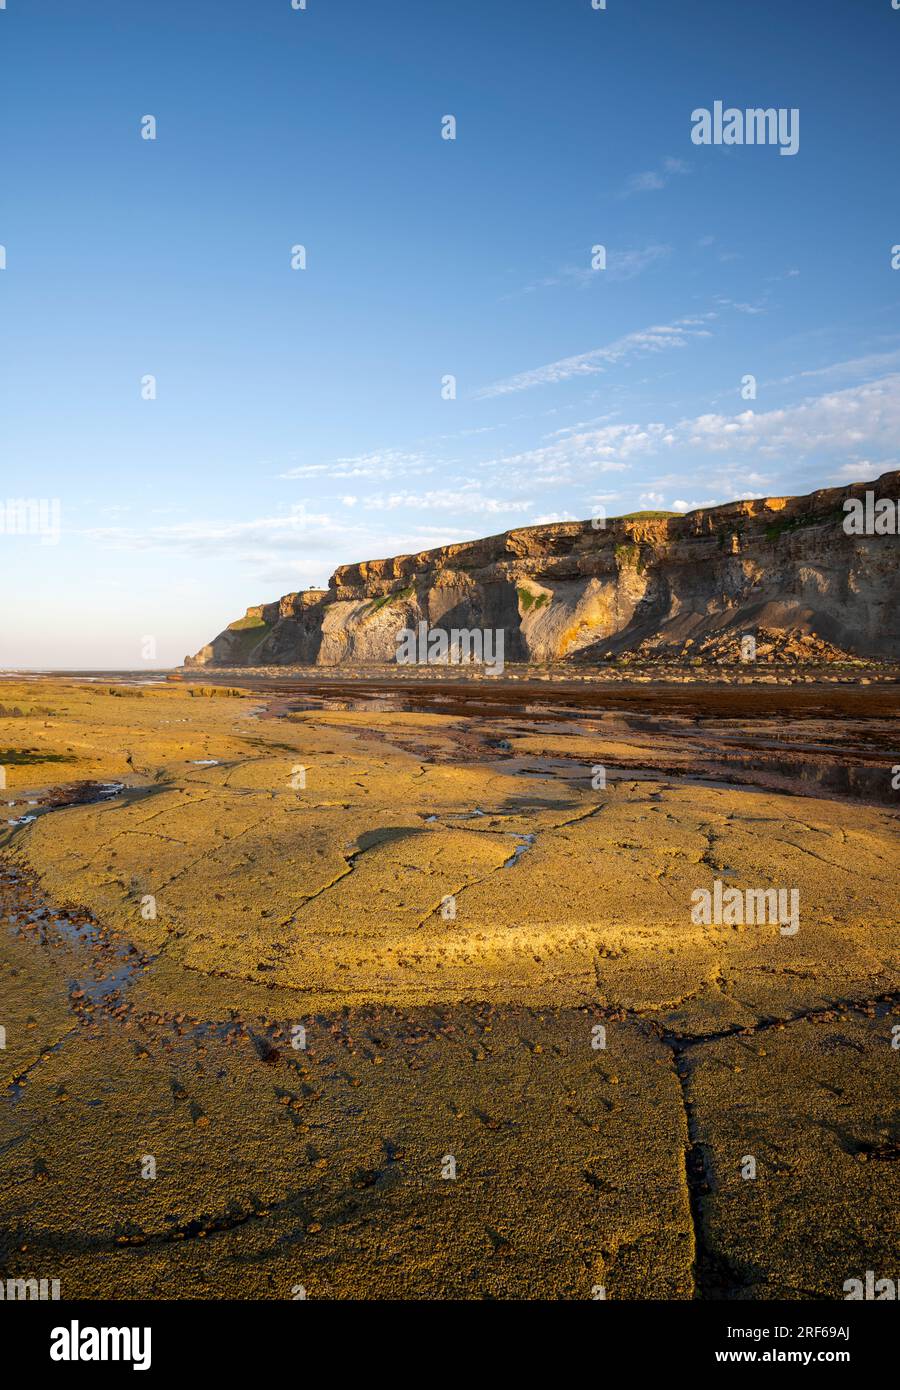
x: 570, y: 592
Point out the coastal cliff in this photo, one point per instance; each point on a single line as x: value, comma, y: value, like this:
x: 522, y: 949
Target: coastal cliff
x: 666, y: 584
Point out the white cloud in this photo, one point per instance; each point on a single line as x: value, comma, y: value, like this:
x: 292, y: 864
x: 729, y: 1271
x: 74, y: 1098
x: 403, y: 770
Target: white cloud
x: 850, y: 434
x: 381, y: 464
x: 625, y: 265
x: 280, y: 553
x: 860, y: 419
x: 864, y: 469
x: 205, y: 537
x: 742, y: 307
x: 841, y: 421
x: 468, y: 498
x: 599, y: 451
x: 658, y: 338
x: 651, y: 180
x: 620, y: 265
x: 851, y: 367
x: 578, y: 426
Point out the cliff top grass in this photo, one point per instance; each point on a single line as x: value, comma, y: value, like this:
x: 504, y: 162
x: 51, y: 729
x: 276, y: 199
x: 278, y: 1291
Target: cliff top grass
x: 643, y: 516
x: 250, y: 620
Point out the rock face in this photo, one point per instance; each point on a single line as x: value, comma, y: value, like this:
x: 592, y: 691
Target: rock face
x: 668, y: 584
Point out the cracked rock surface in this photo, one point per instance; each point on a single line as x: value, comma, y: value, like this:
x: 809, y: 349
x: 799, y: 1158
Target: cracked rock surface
x: 492, y: 965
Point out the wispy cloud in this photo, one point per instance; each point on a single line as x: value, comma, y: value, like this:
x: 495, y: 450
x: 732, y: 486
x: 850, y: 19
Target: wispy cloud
x: 742, y: 307
x: 468, y: 498
x: 651, y: 180
x: 569, y: 459
x: 863, y: 469
x: 659, y: 338
x: 213, y: 536
x: 709, y: 243
x: 621, y: 265
x: 850, y: 434
x: 861, y: 419
x: 381, y: 464
x: 839, y: 422
x: 625, y: 265
x: 302, y: 545
x: 853, y: 367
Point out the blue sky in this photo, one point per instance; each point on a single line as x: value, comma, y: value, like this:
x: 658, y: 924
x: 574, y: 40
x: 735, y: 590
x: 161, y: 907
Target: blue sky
x: 299, y: 421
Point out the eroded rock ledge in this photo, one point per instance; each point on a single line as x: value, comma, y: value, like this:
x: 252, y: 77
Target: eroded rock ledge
x: 651, y: 582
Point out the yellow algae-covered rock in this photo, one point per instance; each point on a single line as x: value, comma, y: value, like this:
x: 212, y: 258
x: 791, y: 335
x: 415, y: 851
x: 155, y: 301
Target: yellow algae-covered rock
x: 813, y: 1106
x: 393, y: 1004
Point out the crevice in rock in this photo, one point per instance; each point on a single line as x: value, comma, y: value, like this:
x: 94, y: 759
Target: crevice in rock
x: 714, y: 1276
